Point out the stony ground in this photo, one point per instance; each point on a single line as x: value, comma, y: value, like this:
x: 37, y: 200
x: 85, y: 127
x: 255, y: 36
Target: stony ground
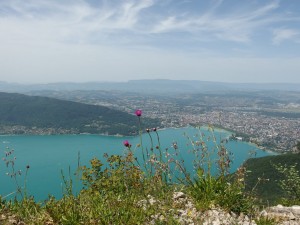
x: 186, y: 214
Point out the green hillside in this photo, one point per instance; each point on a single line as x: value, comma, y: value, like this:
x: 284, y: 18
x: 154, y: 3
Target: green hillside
x: 268, y: 189
x: 43, y: 112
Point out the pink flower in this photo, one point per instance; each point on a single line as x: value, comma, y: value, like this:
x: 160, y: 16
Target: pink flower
x: 126, y: 143
x: 138, y: 112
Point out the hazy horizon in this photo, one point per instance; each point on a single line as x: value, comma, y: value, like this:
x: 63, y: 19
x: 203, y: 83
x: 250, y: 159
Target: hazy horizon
x: 128, y: 81
x: 44, y: 41
x: 145, y: 80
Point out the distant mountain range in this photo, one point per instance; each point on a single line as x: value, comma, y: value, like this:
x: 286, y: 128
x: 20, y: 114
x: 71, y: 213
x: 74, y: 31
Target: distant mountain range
x: 152, y: 86
x: 34, y: 112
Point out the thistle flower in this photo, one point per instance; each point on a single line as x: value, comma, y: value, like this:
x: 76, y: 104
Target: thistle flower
x: 138, y: 112
x: 126, y: 143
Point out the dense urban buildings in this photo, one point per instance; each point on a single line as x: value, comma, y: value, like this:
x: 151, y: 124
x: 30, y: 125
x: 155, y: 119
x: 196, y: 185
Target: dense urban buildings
x: 270, y: 119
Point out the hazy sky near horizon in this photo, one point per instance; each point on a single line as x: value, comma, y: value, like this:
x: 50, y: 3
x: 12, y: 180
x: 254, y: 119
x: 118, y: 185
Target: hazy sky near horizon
x: 45, y: 41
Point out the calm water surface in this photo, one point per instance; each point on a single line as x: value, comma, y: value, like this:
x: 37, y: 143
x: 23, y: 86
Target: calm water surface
x: 49, y: 155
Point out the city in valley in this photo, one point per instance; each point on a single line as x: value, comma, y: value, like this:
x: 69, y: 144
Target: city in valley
x: 270, y: 119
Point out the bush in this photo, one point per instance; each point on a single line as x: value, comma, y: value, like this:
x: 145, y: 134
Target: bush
x: 290, y: 183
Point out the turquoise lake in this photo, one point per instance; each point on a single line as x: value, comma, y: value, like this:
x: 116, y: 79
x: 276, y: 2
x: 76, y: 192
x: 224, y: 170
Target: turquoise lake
x: 49, y: 155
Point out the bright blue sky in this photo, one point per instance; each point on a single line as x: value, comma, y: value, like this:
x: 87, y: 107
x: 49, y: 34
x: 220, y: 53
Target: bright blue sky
x: 119, y: 40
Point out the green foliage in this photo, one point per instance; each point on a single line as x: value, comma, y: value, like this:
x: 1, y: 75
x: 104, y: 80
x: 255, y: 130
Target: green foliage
x: 43, y: 112
x: 68, y: 210
x: 290, y: 183
x: 265, y: 221
x: 111, y: 196
x: 120, y: 176
x: 226, y: 192
x: 219, y: 189
x: 115, y: 193
x: 264, y: 177
x: 26, y: 208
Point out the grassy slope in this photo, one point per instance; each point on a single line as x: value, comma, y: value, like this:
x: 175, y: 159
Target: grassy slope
x: 29, y: 111
x: 269, y: 191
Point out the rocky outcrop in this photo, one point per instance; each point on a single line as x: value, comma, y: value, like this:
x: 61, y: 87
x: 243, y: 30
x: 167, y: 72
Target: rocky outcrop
x: 283, y: 215
x: 185, y: 213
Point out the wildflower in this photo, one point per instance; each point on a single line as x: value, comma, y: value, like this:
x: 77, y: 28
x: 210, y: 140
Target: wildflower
x: 126, y: 143
x: 154, y: 129
x: 138, y: 112
x: 148, y: 130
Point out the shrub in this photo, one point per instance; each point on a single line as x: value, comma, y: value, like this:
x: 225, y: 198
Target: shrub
x: 290, y: 183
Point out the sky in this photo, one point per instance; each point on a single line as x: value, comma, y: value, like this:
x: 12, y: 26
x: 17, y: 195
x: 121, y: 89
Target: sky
x: 45, y: 41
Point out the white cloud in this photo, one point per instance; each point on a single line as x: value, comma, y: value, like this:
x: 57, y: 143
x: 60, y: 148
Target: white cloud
x: 51, y: 40
x: 284, y: 34
x: 238, y: 25
x: 67, y: 21
x: 79, y: 22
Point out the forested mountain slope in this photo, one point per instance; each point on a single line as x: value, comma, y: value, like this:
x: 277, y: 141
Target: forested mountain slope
x: 43, y: 112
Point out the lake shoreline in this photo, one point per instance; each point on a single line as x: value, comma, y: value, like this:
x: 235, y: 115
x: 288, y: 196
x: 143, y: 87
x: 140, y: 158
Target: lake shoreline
x: 214, y: 129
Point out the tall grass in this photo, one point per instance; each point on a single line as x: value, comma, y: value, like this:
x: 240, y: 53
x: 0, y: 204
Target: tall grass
x: 216, y: 189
